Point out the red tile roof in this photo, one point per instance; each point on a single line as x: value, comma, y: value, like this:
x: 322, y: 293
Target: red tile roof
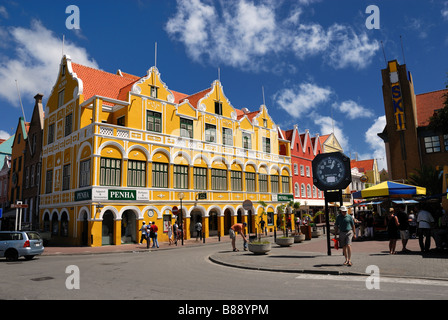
x: 362, y: 165
x: 97, y: 82
x: 427, y: 103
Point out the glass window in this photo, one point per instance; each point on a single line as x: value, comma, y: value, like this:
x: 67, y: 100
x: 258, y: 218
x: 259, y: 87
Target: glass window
x: 180, y: 174
x: 50, y: 133
x: 303, y: 190
x: 153, y: 121
x: 236, y: 180
x: 210, y: 133
x: 218, y: 108
x: 285, y: 184
x: 296, y: 169
x: 247, y: 141
x: 186, y: 128
x: 302, y: 170
x: 110, y: 172
x: 307, y: 171
x: 263, y: 182
x: 200, y: 178
x: 66, y: 177
x: 274, y: 184
x: 160, y: 175
x: 84, y: 173
x: 250, y: 182
x: 68, y: 124
x: 219, y: 179
x: 49, y: 182
x: 154, y: 92
x: 445, y: 139
x: 267, y: 145
x: 136, y: 173
x: 432, y: 144
x: 308, y: 191
x: 61, y: 98
x: 227, y: 137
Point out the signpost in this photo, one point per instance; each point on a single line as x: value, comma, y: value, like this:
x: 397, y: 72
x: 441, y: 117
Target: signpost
x: 331, y: 174
x: 19, y: 206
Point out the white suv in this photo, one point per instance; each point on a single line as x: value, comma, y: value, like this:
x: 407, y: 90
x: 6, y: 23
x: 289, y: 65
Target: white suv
x: 15, y: 244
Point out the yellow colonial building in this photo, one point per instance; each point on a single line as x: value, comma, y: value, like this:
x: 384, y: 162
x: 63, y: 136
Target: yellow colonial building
x: 120, y: 150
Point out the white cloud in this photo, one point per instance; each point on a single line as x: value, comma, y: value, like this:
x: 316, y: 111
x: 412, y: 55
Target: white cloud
x: 3, y: 12
x: 35, y: 61
x: 445, y: 11
x: 349, y: 49
x: 301, y: 100
x: 353, y: 109
x: 241, y: 33
x: 375, y: 143
x: 328, y: 125
x: 4, y: 134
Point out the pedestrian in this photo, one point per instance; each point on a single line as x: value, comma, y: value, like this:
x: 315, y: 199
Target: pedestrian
x: 198, y: 228
x: 392, y: 230
x: 262, y: 225
x: 175, y: 232
x: 412, y: 225
x: 346, y: 227
x: 403, y: 220
x: 424, y: 221
x: 237, y: 228
x: 370, y: 221
x: 153, y: 234
x: 170, y: 233
x: 145, y: 236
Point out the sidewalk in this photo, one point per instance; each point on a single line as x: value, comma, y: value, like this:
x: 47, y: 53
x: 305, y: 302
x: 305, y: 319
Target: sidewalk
x: 306, y: 257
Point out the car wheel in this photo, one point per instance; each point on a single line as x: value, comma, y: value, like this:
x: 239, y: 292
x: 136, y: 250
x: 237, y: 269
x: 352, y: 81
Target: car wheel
x: 29, y: 257
x: 12, y: 255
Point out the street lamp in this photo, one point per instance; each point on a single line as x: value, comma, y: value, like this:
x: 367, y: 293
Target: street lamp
x: 181, y: 195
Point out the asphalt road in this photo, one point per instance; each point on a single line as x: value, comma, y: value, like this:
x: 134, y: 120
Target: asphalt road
x: 187, y: 274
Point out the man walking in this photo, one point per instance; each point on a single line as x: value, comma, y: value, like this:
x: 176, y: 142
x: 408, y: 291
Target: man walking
x: 237, y: 228
x: 346, y: 227
x: 145, y: 235
x: 403, y: 221
x: 424, y: 221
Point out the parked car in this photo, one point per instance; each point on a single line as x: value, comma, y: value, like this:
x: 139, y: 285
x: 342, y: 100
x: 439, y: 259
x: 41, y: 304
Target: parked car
x: 15, y: 244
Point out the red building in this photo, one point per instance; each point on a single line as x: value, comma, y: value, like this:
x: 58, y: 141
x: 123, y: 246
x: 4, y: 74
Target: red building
x: 304, y: 148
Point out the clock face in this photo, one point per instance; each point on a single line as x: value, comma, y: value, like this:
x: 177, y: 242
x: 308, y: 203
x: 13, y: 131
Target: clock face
x: 331, y: 171
x: 150, y: 213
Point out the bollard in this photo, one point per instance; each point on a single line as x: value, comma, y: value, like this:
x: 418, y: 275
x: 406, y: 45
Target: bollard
x: 219, y: 236
x: 275, y: 235
x: 203, y: 237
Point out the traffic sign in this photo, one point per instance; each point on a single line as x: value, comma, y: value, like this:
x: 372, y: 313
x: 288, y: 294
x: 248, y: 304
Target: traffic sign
x: 247, y: 205
x: 175, y: 210
x: 19, y: 206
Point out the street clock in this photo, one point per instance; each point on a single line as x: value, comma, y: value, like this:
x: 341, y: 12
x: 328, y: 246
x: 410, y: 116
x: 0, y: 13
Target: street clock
x: 331, y: 171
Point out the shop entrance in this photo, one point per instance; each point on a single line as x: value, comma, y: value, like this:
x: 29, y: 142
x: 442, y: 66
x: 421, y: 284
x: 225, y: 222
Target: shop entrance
x: 227, y: 221
x: 213, y: 224
x: 128, y: 227
x: 196, y: 216
x: 108, y: 228
x: 84, y: 229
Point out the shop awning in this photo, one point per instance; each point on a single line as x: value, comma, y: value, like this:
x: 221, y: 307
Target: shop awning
x: 390, y: 189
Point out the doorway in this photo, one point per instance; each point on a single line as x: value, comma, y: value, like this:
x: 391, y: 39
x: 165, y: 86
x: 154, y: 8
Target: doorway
x: 108, y: 228
x: 128, y: 227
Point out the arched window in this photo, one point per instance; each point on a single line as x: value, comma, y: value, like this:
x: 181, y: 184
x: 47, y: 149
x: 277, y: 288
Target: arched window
x: 303, y: 190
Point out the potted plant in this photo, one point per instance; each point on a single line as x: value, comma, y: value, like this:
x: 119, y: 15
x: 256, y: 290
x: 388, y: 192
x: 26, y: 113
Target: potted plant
x: 311, y: 229
x: 258, y: 246
x: 284, y: 241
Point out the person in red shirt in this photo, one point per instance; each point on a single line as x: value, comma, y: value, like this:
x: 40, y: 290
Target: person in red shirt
x: 153, y: 234
x: 237, y: 228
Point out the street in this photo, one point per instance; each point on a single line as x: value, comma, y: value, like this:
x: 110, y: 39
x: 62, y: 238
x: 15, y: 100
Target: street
x: 187, y: 274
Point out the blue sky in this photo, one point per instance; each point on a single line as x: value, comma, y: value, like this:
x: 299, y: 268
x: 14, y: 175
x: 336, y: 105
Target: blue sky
x: 319, y: 64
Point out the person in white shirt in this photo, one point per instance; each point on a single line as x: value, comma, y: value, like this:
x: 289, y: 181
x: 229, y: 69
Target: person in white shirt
x: 424, y: 221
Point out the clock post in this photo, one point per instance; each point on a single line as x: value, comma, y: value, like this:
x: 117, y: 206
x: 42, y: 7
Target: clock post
x: 331, y: 174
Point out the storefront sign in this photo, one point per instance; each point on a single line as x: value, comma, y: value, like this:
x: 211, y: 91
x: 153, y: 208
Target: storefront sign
x: 122, y: 195
x: 99, y: 194
x: 397, y: 97
x: 285, y: 197
x: 83, y: 195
